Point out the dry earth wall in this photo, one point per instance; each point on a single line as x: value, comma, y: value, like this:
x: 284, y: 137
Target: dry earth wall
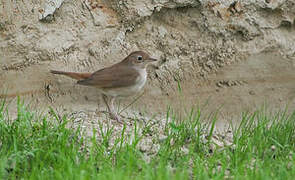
x: 237, y: 53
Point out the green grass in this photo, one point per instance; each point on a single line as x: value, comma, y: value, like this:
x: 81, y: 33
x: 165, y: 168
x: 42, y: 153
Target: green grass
x: 35, y: 146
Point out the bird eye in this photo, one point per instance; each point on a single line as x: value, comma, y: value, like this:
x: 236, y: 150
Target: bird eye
x: 139, y: 58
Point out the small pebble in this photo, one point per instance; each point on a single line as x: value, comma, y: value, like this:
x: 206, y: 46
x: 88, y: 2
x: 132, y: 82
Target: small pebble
x: 251, y: 92
x: 162, y: 138
x: 273, y: 147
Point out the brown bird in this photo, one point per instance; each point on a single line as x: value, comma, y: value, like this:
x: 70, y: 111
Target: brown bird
x: 123, y: 79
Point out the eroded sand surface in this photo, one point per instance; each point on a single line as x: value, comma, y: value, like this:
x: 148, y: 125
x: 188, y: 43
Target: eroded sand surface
x: 244, y: 86
x: 225, y: 55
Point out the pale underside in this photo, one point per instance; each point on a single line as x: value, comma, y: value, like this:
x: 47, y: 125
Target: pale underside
x: 117, y: 81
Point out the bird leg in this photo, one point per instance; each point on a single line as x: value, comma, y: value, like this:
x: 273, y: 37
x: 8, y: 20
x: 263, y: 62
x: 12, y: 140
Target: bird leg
x: 111, y: 108
x: 114, y: 114
x: 105, y: 99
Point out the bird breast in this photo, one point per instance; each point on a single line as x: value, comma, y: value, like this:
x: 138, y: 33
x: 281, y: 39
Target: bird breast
x: 140, y: 82
x: 129, y: 90
x: 141, y: 79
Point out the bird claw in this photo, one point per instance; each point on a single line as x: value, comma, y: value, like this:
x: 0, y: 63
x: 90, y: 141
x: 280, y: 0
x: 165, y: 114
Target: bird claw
x: 116, y: 117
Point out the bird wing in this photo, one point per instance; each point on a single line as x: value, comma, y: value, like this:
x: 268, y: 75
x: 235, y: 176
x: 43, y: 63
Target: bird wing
x: 112, y: 77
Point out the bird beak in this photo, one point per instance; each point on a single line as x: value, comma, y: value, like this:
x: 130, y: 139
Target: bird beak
x: 152, y: 59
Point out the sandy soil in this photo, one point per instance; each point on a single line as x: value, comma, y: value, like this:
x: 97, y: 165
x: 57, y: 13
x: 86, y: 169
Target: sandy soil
x: 226, y: 56
x: 245, y: 86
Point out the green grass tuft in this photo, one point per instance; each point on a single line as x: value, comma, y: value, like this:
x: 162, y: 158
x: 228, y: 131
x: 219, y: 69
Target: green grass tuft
x: 36, y: 146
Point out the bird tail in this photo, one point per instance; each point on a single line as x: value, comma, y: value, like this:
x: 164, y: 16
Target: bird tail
x: 78, y: 76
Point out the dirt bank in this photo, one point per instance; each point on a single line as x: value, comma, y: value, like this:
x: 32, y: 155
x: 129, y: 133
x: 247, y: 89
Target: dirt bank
x: 233, y: 54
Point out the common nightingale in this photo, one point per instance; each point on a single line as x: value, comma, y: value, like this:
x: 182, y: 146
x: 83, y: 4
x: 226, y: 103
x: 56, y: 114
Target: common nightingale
x: 123, y: 79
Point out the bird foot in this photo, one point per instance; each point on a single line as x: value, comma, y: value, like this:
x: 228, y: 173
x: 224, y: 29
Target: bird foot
x: 116, y: 117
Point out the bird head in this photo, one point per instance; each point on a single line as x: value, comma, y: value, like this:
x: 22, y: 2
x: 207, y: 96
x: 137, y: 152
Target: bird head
x: 139, y: 59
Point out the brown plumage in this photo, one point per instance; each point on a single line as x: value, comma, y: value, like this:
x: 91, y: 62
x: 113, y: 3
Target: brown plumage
x: 74, y: 75
x: 113, y: 77
x: 125, y: 78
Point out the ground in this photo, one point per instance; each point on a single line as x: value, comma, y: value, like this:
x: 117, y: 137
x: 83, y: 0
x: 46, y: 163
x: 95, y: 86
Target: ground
x: 217, y: 60
x: 225, y: 55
